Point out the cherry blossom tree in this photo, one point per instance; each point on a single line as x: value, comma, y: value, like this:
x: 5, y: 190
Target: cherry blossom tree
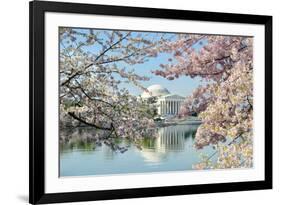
x: 225, y: 101
x: 93, y: 65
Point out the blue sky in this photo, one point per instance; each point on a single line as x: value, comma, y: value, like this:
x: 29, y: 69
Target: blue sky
x: 184, y: 85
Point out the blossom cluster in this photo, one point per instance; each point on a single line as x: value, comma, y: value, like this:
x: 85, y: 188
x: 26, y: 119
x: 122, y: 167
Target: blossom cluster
x: 225, y: 100
x: 93, y: 65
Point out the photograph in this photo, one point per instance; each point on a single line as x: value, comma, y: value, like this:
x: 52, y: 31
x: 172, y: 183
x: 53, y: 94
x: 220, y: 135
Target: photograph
x: 136, y: 101
x: 133, y: 102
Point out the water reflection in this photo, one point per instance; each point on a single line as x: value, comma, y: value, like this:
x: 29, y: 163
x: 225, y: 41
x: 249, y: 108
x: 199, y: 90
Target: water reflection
x: 170, y: 139
x: 171, y: 150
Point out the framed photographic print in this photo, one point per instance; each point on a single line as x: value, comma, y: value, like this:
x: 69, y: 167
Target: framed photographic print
x: 140, y: 102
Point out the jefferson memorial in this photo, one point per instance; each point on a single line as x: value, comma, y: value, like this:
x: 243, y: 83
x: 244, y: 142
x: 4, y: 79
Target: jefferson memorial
x: 167, y: 103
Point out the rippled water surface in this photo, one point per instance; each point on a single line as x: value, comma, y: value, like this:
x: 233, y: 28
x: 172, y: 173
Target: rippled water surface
x: 172, y: 150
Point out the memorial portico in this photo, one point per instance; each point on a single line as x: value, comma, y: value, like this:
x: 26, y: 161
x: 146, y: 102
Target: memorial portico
x: 167, y: 103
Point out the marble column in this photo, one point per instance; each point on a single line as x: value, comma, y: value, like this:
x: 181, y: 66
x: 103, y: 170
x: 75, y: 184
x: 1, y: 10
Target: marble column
x: 170, y: 107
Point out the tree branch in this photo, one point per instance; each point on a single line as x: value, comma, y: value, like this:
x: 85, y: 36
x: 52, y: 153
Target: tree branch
x: 72, y: 114
x: 99, y: 56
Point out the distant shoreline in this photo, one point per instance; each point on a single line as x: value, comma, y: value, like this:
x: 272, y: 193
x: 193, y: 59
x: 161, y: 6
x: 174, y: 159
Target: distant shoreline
x: 187, y: 121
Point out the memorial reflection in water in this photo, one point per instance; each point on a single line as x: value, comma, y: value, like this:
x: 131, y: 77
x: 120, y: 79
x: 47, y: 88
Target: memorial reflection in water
x: 171, y: 139
x: 171, y: 150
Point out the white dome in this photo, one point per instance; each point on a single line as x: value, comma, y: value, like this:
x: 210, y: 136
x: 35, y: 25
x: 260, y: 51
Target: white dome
x: 155, y: 91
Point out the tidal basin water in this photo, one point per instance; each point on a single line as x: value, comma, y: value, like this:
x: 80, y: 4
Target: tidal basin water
x: 171, y: 150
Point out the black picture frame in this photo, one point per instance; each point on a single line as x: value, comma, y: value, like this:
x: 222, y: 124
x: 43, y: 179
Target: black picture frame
x: 37, y: 9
